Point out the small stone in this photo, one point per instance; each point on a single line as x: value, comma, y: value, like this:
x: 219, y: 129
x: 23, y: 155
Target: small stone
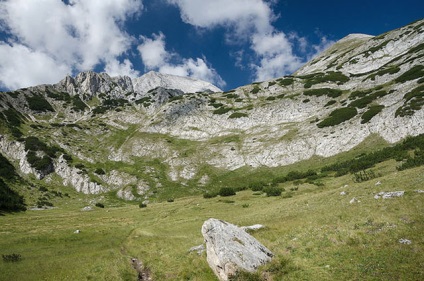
x: 77, y: 231
x: 378, y: 183
x: 354, y: 200
x: 199, y: 249
x: 343, y: 193
x: 405, y: 241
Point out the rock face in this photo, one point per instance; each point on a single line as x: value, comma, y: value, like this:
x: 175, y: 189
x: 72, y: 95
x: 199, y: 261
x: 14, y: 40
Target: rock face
x: 152, y: 80
x: 229, y: 248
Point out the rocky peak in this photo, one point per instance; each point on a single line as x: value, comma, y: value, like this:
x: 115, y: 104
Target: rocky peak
x: 152, y: 80
x: 89, y: 84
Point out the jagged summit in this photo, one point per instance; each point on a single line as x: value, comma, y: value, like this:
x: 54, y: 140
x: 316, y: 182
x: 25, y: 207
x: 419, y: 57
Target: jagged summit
x: 154, y: 79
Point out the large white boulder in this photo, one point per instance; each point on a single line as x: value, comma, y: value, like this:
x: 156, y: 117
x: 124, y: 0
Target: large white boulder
x: 229, y: 248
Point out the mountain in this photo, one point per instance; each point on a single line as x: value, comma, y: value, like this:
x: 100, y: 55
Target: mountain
x: 159, y: 135
x: 152, y: 80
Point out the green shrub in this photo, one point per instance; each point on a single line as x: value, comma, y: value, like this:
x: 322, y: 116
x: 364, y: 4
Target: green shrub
x: 255, y: 89
x: 10, y: 200
x: 272, y: 191
x: 371, y: 112
x: 12, y: 258
x: 142, y: 205
x: 99, y: 171
x: 100, y: 205
x: 338, y: 116
x: 78, y: 104
x: 414, y: 73
x: 256, y: 186
x: 331, y: 102
x: 414, y: 100
x: 238, y: 115
x: 7, y: 170
x: 170, y: 200
x: 364, y: 101
x: 38, y: 103
x: 226, y: 191
x: 208, y: 195
x: 285, y: 81
x: 332, y: 93
x: 221, y: 110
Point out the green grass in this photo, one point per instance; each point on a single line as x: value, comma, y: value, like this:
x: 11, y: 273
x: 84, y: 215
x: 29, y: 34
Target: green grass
x: 315, y: 235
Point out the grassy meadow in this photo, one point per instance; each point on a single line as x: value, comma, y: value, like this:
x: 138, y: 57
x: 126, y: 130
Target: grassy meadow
x: 314, y: 232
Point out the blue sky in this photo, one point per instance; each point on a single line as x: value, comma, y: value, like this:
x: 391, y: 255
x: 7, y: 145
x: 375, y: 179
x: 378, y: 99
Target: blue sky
x: 227, y: 42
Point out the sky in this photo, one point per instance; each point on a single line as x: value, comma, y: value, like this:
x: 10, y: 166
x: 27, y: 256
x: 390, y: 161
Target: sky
x: 229, y: 43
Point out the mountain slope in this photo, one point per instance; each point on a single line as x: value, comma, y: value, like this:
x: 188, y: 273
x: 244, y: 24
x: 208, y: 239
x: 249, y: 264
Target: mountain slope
x: 156, y: 133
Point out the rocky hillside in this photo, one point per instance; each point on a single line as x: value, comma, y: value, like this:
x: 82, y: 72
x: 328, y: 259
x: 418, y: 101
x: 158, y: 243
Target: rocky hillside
x: 138, y: 137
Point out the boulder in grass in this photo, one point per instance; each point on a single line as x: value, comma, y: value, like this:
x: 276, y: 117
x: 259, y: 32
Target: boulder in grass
x: 229, y: 249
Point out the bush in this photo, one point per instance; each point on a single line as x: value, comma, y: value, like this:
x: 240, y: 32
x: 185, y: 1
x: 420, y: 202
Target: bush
x: 226, y: 191
x: 39, y: 103
x: 12, y: 258
x: 221, y: 110
x: 414, y: 73
x: 100, y: 205
x: 338, y: 116
x: 170, y: 200
x: 208, y: 195
x: 332, y: 93
x: 142, y: 205
x: 99, y: 171
x: 237, y: 115
x: 371, y: 112
x: 272, y: 191
x: 10, y: 200
x: 256, y: 186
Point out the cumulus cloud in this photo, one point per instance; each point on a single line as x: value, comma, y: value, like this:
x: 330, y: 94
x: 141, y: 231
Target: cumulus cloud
x: 74, y: 37
x: 155, y: 57
x: 250, y: 20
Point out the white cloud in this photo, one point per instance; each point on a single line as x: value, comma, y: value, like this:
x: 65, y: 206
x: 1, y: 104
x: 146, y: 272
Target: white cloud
x: 245, y: 16
x: 116, y: 68
x: 246, y: 20
x: 23, y: 67
x: 276, y: 55
x: 79, y: 36
x: 155, y: 57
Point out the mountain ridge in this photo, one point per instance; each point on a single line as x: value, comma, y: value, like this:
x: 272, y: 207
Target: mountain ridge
x: 146, y: 136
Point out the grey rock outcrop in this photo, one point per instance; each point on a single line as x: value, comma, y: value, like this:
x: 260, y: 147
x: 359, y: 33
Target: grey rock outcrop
x: 229, y: 248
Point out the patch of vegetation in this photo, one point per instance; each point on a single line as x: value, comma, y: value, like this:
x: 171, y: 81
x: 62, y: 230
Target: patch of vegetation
x: 144, y: 100
x: 78, y: 104
x: 398, y: 152
x: 99, y: 205
x: 272, y: 191
x: 364, y: 101
x: 388, y: 70
x: 209, y: 194
x: 38, y: 103
x: 331, y: 76
x: 255, y: 89
x: 370, y: 113
x: 12, y: 257
x: 330, y: 102
x: 100, y: 171
x: 414, y: 100
x: 59, y: 96
x: 221, y: 110
x: 285, y: 81
x: 226, y: 191
x: 238, y: 115
x: 414, y: 73
x: 40, y: 163
x: 338, y: 116
x: 7, y: 170
x: 10, y: 200
x: 332, y: 93
x: 364, y: 175
x: 270, y: 98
